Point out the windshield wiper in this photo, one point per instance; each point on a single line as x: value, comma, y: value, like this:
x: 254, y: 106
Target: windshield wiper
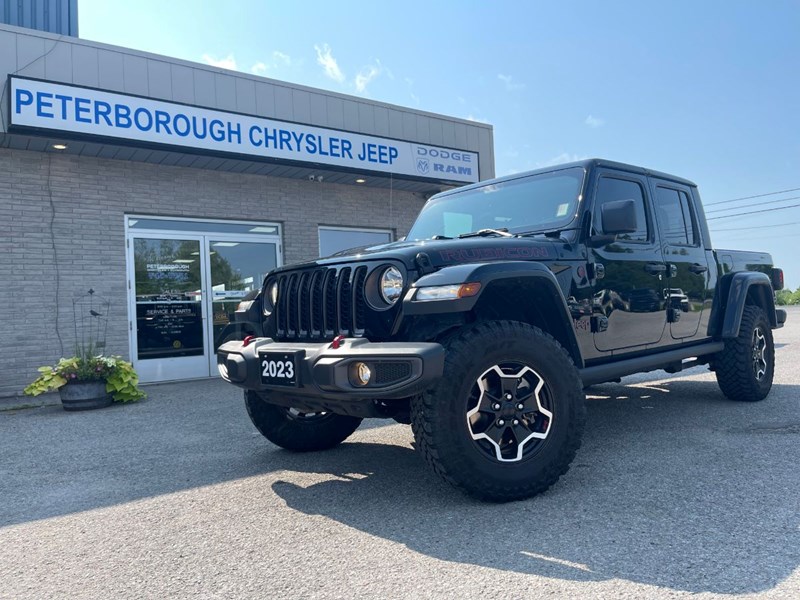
x: 487, y: 232
x: 553, y: 233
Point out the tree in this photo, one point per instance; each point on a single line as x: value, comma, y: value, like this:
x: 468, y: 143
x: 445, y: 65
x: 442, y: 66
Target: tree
x: 786, y: 297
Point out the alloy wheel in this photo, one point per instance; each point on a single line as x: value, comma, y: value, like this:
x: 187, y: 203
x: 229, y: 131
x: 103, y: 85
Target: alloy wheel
x: 510, y: 411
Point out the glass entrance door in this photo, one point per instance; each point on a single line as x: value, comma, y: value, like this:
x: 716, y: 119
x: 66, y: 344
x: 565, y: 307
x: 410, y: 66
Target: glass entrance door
x: 236, y: 268
x: 169, y: 308
x: 186, y: 280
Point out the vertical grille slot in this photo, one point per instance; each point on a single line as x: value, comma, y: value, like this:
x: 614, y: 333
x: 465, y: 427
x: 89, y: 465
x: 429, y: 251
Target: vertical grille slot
x: 329, y: 316
x: 359, y: 302
x: 303, y: 316
x: 315, y: 304
x: 280, y: 310
x: 291, y: 302
x: 345, y: 301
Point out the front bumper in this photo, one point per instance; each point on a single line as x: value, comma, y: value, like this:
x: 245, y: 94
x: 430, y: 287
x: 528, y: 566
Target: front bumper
x: 401, y: 369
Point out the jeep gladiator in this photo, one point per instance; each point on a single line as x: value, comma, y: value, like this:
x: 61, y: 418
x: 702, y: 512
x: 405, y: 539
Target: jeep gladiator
x: 483, y: 327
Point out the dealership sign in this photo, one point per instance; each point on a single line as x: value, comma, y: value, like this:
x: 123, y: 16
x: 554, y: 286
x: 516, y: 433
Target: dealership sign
x: 84, y: 111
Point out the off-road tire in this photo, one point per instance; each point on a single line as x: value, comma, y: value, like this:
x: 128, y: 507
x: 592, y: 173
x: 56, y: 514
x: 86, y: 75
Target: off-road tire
x: 439, y: 419
x: 735, y: 365
x: 293, y: 431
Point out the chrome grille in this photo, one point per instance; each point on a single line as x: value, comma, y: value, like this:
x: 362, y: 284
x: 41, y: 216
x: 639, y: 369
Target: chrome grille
x: 319, y: 304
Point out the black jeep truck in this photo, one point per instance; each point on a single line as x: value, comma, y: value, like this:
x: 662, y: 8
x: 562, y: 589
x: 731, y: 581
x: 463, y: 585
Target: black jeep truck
x: 506, y: 300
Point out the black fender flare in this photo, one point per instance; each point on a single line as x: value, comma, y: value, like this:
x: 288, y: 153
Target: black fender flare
x: 486, y: 274
x: 734, y: 291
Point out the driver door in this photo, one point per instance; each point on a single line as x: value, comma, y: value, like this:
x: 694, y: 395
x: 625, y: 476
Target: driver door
x: 628, y: 302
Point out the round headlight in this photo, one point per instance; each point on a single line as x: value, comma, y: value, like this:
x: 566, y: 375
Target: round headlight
x: 270, y: 298
x: 391, y: 285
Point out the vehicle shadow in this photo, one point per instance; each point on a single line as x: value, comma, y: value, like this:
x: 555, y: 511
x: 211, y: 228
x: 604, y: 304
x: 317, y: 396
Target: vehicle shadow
x: 674, y: 487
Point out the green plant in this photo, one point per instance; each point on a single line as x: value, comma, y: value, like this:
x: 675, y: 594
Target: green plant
x: 787, y: 297
x: 121, y: 379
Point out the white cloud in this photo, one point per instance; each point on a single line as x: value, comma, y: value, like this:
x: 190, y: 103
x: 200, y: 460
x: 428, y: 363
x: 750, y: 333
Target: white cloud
x: 510, y: 85
x: 229, y: 62
x: 326, y: 60
x: 281, y: 57
x: 366, y: 75
x: 594, y: 122
x: 258, y: 69
x: 471, y: 117
x: 410, y: 83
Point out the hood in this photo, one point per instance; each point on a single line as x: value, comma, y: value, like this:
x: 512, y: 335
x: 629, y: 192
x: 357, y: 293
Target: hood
x: 447, y: 252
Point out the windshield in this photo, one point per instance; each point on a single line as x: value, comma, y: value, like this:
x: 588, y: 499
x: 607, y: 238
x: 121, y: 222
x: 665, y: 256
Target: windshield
x: 535, y: 203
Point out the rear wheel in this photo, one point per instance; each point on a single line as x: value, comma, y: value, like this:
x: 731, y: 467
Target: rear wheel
x: 746, y: 366
x: 295, y: 430
x: 505, y: 420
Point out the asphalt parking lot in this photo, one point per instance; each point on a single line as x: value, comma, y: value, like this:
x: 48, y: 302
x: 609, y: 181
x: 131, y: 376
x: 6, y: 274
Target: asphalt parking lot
x: 676, y: 491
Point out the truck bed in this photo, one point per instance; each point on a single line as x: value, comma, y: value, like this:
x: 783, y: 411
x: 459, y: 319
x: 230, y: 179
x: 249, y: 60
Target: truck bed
x: 732, y: 261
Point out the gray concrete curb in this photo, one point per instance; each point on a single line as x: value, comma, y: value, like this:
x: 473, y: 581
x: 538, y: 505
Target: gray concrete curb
x: 19, y: 402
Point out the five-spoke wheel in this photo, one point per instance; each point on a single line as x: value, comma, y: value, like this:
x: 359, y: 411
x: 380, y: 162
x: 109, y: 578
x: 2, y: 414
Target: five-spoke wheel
x: 512, y: 411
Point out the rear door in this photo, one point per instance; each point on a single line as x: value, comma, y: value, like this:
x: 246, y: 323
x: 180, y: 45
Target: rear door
x: 685, y: 257
x: 629, y: 296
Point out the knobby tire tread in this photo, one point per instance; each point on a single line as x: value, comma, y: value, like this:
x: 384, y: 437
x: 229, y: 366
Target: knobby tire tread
x: 425, y: 406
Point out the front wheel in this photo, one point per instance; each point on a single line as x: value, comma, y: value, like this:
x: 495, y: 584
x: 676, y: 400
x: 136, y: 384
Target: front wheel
x: 505, y: 420
x: 298, y: 431
x: 745, y: 368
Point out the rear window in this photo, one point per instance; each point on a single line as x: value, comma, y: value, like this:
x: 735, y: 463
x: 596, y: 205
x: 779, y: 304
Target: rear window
x: 675, y: 217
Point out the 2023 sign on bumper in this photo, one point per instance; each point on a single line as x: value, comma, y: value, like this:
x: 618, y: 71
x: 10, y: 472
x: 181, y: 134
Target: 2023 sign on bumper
x: 279, y: 368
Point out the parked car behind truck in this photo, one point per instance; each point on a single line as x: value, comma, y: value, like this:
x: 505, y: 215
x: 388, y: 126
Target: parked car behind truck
x: 508, y: 297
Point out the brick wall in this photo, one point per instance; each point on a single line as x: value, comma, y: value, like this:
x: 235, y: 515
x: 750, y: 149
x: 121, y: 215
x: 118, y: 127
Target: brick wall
x: 91, y: 196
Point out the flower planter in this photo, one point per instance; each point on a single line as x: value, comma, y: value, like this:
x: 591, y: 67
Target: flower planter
x: 84, y: 395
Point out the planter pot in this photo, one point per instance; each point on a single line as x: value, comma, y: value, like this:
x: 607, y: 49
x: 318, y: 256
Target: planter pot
x: 84, y: 395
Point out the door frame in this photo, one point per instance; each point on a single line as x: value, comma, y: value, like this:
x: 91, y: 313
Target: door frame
x: 640, y: 252
x: 206, y: 246
x: 204, y: 236
x: 695, y: 253
x: 185, y: 367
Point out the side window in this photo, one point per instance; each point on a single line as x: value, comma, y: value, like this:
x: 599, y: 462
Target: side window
x: 674, y: 217
x: 338, y: 239
x: 688, y: 218
x: 610, y: 189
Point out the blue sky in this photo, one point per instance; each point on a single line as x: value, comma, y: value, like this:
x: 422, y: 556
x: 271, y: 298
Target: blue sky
x: 706, y: 90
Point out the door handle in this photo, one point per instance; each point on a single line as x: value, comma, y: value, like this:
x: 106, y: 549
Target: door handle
x: 698, y: 268
x: 655, y: 268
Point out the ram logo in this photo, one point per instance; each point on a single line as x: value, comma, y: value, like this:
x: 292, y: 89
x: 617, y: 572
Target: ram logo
x: 423, y: 166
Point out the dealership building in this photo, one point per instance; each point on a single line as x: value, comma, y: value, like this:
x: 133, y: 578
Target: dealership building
x: 170, y: 188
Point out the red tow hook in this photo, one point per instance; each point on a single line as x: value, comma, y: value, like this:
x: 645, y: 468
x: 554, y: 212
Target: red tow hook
x: 247, y: 339
x: 337, y: 342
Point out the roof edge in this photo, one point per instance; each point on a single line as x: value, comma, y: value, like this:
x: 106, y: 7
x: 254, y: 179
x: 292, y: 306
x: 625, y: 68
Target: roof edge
x: 238, y: 74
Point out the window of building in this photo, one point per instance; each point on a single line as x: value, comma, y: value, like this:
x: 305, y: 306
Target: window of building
x: 610, y: 189
x: 338, y: 239
x: 201, y: 225
x: 675, y: 217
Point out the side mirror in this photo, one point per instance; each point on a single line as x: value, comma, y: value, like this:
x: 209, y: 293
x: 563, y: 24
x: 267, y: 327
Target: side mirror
x: 618, y: 217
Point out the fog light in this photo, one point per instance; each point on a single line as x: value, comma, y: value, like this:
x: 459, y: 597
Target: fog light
x: 360, y: 374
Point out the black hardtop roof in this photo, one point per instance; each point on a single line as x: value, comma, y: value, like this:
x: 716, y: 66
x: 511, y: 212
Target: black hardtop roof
x: 587, y: 163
